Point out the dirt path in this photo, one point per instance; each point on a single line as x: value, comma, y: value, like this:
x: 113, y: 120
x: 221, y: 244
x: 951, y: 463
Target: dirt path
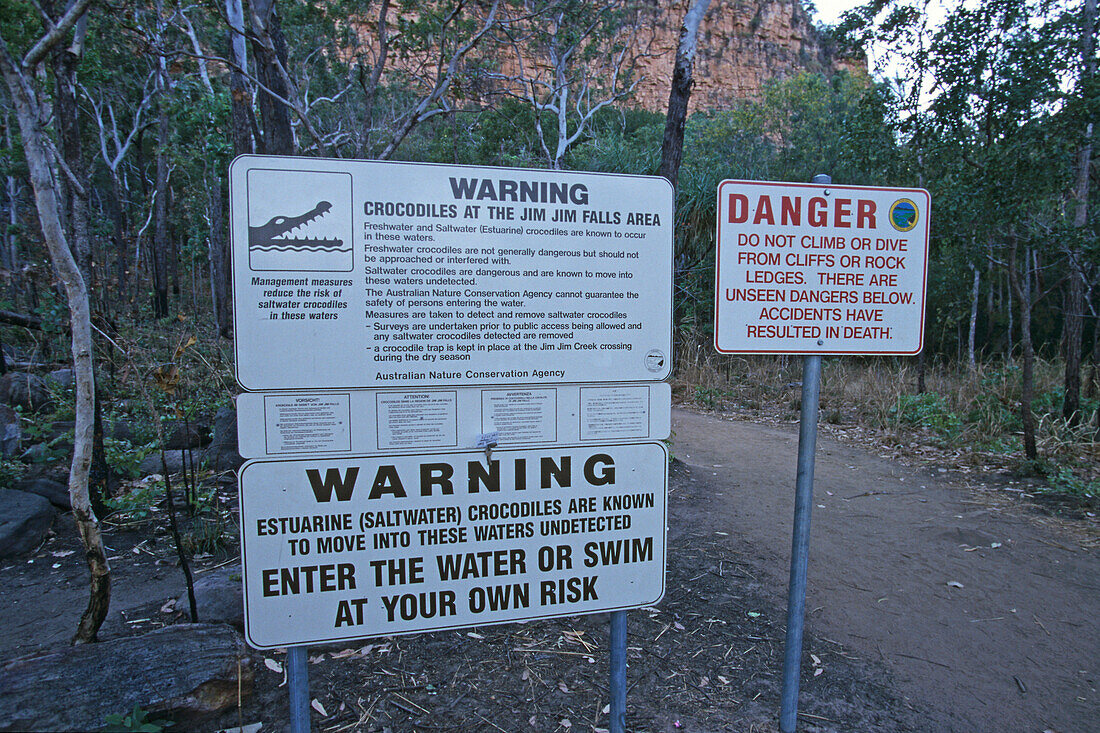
x: 1015, y: 648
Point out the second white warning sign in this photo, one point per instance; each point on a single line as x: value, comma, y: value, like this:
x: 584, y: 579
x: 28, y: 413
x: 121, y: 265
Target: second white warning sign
x: 343, y: 548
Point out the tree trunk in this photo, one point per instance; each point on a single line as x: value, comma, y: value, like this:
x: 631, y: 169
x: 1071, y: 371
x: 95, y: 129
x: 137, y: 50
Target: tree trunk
x: 922, y: 368
x: 36, y: 149
x: 1075, y: 293
x: 971, y: 359
x: 1094, y: 383
x: 66, y: 61
x: 1022, y: 287
x: 120, y: 238
x: 269, y: 50
x: 220, y: 285
x: 9, y: 257
x: 672, y: 147
x: 240, y: 95
x: 1073, y: 333
x: 160, y: 210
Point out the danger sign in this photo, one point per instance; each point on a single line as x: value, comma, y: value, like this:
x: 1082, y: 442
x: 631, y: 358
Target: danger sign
x: 342, y: 548
x: 820, y: 269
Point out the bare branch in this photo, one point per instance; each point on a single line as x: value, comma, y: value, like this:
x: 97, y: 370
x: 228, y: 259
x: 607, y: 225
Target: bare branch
x: 121, y: 147
x: 442, y: 84
x: 55, y: 34
x: 189, y: 29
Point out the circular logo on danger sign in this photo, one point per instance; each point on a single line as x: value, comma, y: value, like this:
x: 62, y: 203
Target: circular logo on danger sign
x: 655, y: 360
x: 903, y: 215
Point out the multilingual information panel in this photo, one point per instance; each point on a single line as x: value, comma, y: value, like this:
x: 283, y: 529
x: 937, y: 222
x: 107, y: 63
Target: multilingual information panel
x: 359, y: 422
x: 342, y: 548
x: 820, y: 269
x: 374, y: 274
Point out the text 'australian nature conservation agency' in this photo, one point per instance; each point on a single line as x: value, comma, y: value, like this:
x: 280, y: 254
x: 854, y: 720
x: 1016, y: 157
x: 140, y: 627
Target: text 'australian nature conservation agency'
x: 455, y: 267
x: 347, y: 548
x: 804, y: 269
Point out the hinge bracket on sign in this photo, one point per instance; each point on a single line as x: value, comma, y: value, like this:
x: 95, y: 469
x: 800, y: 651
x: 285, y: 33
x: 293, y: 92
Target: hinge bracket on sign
x: 488, y: 441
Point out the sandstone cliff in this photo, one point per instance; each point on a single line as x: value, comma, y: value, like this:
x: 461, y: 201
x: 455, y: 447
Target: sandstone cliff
x: 742, y: 44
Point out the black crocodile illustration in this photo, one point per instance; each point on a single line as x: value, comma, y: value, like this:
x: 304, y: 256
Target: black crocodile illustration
x: 271, y: 235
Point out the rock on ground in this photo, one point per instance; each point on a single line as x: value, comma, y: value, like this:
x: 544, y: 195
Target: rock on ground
x: 185, y: 672
x: 55, y: 492
x: 222, y: 454
x: 11, y: 432
x: 24, y: 389
x: 192, y: 434
x: 64, y: 377
x: 151, y: 463
x: 219, y: 597
x: 24, y: 520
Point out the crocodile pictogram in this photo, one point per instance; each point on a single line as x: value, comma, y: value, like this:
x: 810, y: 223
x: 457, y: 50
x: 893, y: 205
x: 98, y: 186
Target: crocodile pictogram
x: 272, y: 234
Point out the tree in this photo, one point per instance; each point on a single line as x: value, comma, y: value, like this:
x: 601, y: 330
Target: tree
x: 1075, y: 290
x: 569, y: 60
x: 672, y: 146
x: 998, y: 71
x: 277, y: 92
x: 240, y: 95
x: 20, y: 75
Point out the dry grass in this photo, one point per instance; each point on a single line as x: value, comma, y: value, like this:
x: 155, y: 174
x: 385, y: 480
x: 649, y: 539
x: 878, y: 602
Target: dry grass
x: 972, y: 417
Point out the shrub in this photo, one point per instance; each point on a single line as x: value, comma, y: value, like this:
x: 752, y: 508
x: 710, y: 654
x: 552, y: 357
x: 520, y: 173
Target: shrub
x: 929, y: 410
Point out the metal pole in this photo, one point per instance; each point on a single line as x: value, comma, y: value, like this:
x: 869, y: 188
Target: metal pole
x: 800, y: 541
x: 297, y: 677
x: 618, y: 672
x: 800, y: 537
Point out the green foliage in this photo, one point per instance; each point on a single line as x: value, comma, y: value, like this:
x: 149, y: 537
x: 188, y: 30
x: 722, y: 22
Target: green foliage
x: 10, y: 472
x: 929, y: 411
x: 124, y: 457
x: 1065, y: 481
x: 135, y: 721
x: 137, y: 504
x: 709, y: 397
x: 211, y: 529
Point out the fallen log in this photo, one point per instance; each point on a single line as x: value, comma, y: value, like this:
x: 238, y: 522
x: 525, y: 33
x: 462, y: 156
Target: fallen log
x: 18, y: 319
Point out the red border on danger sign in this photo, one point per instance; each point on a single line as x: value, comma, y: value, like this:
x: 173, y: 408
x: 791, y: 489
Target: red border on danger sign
x: 820, y: 269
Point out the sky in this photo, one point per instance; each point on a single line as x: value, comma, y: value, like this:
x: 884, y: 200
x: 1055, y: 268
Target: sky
x: 829, y: 11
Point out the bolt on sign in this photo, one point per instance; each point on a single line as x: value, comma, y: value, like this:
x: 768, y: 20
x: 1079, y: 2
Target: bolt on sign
x: 362, y: 274
x: 820, y: 269
x: 343, y: 548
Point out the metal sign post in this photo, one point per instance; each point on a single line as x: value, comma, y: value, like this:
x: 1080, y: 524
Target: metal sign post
x: 618, y: 672
x: 800, y: 536
x: 297, y: 681
x: 800, y: 541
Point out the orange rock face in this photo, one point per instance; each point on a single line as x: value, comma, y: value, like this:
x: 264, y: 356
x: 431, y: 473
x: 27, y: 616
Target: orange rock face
x: 741, y: 45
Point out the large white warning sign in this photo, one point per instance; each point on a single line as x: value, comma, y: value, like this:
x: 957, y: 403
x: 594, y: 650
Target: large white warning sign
x: 820, y: 269
x: 342, y: 548
x: 360, y: 274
